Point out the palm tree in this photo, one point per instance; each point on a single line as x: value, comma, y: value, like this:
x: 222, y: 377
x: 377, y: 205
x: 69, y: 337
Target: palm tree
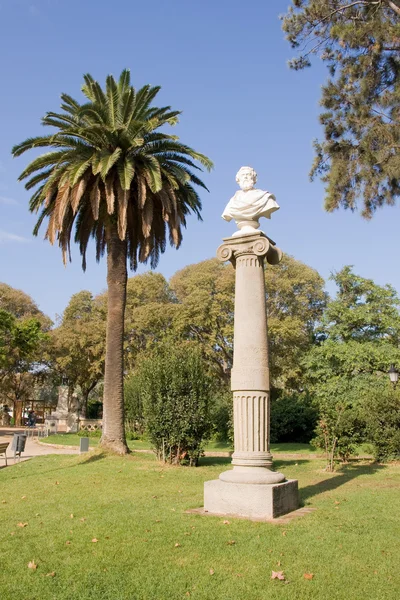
x: 114, y: 175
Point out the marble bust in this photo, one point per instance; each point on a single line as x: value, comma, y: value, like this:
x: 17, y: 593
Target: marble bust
x: 249, y: 203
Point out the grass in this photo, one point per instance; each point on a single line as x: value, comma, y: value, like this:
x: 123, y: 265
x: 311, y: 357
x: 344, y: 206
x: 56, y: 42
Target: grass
x: 72, y: 439
x: 148, y: 548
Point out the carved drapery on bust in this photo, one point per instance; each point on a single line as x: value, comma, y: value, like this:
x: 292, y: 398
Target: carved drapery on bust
x: 249, y: 204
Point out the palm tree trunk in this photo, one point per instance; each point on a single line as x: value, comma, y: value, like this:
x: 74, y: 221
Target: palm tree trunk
x: 113, y: 437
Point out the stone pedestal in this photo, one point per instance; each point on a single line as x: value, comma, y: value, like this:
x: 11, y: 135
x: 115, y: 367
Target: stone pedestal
x: 256, y: 501
x: 252, y: 486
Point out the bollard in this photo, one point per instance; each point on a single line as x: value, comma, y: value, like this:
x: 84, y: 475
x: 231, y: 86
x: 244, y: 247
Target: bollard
x: 84, y: 444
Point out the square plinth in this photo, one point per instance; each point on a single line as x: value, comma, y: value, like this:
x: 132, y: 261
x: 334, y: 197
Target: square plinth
x: 251, y: 500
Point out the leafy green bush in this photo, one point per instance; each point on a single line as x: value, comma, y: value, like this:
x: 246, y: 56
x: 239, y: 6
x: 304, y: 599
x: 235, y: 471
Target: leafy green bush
x: 175, y: 391
x: 90, y: 434
x: 293, y: 418
x: 382, y: 416
x: 134, y: 417
x: 222, y: 415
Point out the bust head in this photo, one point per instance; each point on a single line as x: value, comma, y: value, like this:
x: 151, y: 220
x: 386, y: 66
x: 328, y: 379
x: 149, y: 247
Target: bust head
x: 246, y: 177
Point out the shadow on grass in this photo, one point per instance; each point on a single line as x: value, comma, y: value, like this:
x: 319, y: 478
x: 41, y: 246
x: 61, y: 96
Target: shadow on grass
x: 93, y: 457
x: 209, y: 461
x: 348, y: 473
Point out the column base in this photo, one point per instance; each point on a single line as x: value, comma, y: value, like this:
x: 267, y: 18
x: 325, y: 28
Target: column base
x: 250, y: 500
x: 252, y: 475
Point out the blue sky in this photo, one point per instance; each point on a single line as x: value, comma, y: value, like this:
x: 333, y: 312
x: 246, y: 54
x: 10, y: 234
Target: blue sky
x: 223, y: 63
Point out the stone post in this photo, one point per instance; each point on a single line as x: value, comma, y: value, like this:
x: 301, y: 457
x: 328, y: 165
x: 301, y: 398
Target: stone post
x: 251, y: 488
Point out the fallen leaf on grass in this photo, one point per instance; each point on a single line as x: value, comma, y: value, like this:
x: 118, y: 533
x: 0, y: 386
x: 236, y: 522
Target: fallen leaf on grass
x: 23, y: 497
x: 284, y: 532
x: 187, y: 533
x: 52, y: 574
x: 308, y: 576
x: 278, y: 564
x: 231, y: 543
x: 32, y: 565
x: 212, y: 571
x: 226, y: 522
x: 177, y: 545
x: 57, y: 483
x: 67, y: 543
x: 22, y: 524
x: 94, y: 540
x: 4, y: 502
x: 278, y: 575
x: 71, y: 516
x: 83, y: 519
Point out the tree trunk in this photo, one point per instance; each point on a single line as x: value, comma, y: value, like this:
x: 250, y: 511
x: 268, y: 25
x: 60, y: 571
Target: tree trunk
x: 113, y: 437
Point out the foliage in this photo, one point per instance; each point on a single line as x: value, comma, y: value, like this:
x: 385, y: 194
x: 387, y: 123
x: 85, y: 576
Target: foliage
x: 112, y: 163
x: 382, y: 416
x: 21, y: 306
x: 175, y: 391
x: 95, y: 433
x: 359, y: 42
x: 134, y: 412
x: 358, y: 340
x: 293, y: 418
x: 222, y: 415
x: 150, y: 307
x: 77, y: 349
x: 21, y: 347
x: 205, y: 293
x: 295, y: 301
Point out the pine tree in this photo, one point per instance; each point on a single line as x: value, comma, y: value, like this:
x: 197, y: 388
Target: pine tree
x: 359, y: 41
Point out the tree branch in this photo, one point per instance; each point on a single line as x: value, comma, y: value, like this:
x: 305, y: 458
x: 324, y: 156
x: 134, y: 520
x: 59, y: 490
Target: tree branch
x: 393, y: 6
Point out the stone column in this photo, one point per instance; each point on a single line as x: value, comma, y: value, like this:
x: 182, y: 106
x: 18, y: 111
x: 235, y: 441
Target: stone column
x: 252, y: 458
x: 251, y: 488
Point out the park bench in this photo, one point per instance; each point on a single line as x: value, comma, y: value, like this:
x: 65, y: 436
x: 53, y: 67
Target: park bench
x: 3, y: 450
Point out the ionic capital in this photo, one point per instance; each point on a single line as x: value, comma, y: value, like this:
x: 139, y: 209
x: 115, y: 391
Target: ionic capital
x: 257, y: 244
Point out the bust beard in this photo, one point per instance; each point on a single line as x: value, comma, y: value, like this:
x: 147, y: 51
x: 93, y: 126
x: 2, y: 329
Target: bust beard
x: 250, y: 205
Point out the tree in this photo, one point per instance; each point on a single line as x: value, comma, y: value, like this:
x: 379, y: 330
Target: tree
x: 22, y: 306
x: 295, y: 301
x: 358, y: 340
x: 205, y: 294
x: 21, y: 346
x: 77, y: 350
x: 150, y: 308
x: 360, y: 43
x: 115, y: 176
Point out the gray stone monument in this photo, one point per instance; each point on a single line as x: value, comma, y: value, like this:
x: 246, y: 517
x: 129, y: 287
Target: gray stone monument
x: 65, y: 417
x: 252, y: 488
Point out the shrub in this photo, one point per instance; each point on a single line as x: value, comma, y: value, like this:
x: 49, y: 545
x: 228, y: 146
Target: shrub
x: 222, y: 415
x: 382, y: 416
x: 293, y: 418
x: 175, y: 390
x: 134, y: 417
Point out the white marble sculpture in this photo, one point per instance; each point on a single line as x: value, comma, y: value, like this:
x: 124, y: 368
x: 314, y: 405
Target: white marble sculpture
x: 249, y: 203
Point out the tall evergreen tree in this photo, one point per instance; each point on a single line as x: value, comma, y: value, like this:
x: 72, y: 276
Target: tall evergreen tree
x: 360, y: 43
x: 114, y: 175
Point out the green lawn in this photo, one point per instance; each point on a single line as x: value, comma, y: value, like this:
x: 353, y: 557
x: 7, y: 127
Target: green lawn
x: 71, y: 439
x: 148, y: 548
